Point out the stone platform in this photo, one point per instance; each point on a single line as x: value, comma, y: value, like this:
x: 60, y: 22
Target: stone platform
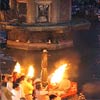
x: 36, y: 36
x: 38, y: 46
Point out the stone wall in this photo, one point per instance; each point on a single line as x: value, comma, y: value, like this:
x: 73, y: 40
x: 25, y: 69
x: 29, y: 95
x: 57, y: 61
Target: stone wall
x: 59, y: 10
x: 24, y: 35
x: 65, y: 10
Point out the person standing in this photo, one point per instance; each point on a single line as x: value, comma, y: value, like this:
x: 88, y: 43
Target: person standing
x: 28, y: 88
x: 5, y: 93
x: 10, y: 83
x: 16, y: 92
x: 44, y: 65
x: 40, y: 92
x: 20, y: 81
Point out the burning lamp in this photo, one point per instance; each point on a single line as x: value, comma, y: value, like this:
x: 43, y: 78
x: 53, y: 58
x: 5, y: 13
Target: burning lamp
x: 30, y: 72
x: 58, y: 75
x: 17, y: 68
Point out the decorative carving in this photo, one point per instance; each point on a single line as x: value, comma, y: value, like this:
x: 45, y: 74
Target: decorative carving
x: 43, y: 10
x: 43, y: 1
x: 43, y: 13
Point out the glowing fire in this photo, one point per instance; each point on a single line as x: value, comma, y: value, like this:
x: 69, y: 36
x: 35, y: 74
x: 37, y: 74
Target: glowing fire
x: 30, y: 72
x: 17, y: 68
x: 58, y: 74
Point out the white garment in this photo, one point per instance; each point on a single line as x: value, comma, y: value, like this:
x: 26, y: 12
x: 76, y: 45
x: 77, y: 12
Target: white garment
x: 22, y: 94
x: 5, y: 94
x: 41, y: 95
x: 3, y: 97
x: 9, y: 86
x: 16, y: 95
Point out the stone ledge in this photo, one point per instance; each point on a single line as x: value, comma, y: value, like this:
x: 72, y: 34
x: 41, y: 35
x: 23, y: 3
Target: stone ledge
x: 70, y: 25
x: 39, y: 46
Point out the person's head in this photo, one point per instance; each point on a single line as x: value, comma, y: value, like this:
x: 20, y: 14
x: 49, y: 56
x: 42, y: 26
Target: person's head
x: 38, y: 84
x: 29, y: 79
x: 4, y: 78
x: 10, y: 79
x: 16, y: 86
x: 53, y: 97
x: 45, y: 51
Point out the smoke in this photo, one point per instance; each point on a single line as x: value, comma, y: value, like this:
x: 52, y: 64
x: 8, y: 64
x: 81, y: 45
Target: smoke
x: 91, y: 89
x: 73, y: 72
x: 55, y: 60
x: 71, y: 69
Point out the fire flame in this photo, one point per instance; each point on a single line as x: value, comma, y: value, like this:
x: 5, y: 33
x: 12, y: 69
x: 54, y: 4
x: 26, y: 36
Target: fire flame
x: 30, y: 72
x: 58, y: 74
x: 17, y: 68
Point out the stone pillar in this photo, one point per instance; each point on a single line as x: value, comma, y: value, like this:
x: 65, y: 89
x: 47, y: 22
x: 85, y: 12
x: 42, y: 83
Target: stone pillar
x: 54, y: 13
x: 70, y: 9
x: 2, y: 18
x: 12, y: 4
x: 13, y: 9
x: 30, y: 12
x: 65, y: 10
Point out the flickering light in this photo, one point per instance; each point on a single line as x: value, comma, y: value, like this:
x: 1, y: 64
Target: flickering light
x: 17, y: 68
x: 58, y: 74
x: 30, y: 72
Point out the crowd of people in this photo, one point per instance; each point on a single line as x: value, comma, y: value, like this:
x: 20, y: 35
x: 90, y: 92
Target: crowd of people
x: 14, y: 87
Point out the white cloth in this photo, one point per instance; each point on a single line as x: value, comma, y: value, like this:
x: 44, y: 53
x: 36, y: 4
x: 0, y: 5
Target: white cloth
x: 9, y: 86
x: 22, y: 94
x: 41, y: 95
x: 5, y: 94
x: 16, y: 95
x: 3, y: 97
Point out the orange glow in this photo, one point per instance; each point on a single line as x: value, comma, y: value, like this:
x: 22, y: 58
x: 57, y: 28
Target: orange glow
x: 30, y: 72
x: 22, y: 1
x: 17, y: 68
x: 58, y: 74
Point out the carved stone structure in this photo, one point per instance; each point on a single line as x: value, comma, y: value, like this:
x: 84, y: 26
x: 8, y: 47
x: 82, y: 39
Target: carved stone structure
x: 50, y: 11
x: 40, y: 24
